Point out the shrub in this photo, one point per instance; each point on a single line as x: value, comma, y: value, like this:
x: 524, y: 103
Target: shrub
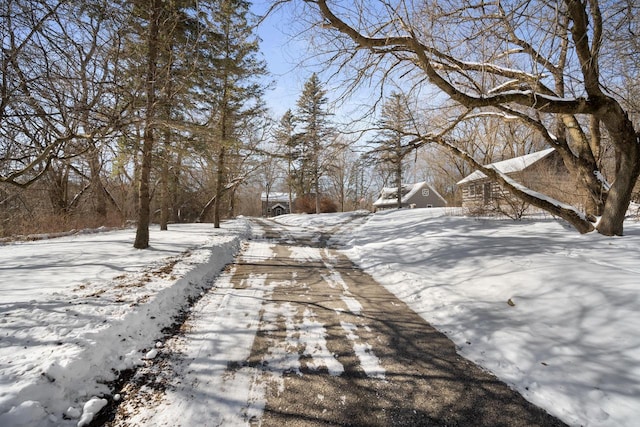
x: 307, y: 204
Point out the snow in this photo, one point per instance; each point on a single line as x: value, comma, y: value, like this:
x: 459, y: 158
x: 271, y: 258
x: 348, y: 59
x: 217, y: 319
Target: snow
x: 571, y: 342
x: 515, y: 164
x: 226, y: 321
x: 602, y: 179
x: 90, y: 409
x: 276, y: 197
x: 75, y: 309
x: 368, y: 360
x: 389, y: 194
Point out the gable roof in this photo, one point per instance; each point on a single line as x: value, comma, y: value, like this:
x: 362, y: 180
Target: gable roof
x: 279, y: 205
x: 389, y: 195
x: 517, y: 164
x: 275, y: 197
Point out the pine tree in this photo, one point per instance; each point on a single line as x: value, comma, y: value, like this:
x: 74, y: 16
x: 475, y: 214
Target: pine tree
x: 153, y: 40
x: 314, y: 138
x: 231, y: 93
x: 163, y: 27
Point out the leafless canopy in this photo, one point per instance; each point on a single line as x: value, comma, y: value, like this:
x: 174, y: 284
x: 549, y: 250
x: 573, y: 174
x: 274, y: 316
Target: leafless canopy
x: 548, y: 64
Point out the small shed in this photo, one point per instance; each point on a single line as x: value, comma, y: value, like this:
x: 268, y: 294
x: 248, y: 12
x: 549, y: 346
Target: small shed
x: 541, y: 171
x: 418, y: 195
x: 275, y: 204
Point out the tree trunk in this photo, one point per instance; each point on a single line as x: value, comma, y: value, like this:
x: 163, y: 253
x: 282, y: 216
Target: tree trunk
x: 174, y: 177
x: 399, y: 181
x: 144, y: 199
x: 289, y: 181
x: 97, y: 188
x: 317, y: 191
x: 232, y: 202
x: 205, y: 211
x: 142, y: 232
x: 316, y: 173
x: 219, y: 187
x: 164, y: 183
x: 611, y: 222
x: 585, y: 164
x: 627, y: 143
x: 58, y: 189
x: 164, y: 198
x: 584, y: 170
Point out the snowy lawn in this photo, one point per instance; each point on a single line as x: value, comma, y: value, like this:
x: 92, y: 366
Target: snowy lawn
x: 551, y: 312
x: 75, y: 310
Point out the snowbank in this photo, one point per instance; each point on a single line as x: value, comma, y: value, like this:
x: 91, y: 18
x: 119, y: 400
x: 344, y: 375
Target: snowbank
x: 77, y: 310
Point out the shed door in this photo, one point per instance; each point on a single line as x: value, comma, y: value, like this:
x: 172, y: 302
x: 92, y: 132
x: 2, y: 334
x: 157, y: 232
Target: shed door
x: 277, y: 211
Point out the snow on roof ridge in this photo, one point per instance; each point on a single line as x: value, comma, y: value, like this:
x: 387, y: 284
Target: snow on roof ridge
x: 515, y: 164
x: 391, y: 190
x: 276, y: 196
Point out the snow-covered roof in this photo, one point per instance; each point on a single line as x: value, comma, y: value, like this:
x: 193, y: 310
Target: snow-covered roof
x: 276, y: 197
x: 516, y: 164
x: 389, y: 195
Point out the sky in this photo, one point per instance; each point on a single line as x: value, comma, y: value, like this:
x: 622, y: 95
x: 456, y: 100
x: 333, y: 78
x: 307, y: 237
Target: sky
x: 283, y: 53
x: 551, y: 312
x: 287, y: 47
x: 289, y: 54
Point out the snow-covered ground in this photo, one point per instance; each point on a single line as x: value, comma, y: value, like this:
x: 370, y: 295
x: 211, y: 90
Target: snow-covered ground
x: 74, y: 310
x: 551, y: 312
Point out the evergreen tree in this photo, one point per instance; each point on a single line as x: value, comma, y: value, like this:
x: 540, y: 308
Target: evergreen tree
x: 232, y: 95
x: 314, y: 138
x: 155, y: 10
x: 163, y: 27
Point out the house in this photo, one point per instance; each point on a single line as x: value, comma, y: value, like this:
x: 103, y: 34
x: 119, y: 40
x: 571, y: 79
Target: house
x: 541, y: 171
x: 275, y: 204
x: 418, y: 195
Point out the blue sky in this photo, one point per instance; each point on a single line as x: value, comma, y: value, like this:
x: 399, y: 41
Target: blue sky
x: 283, y: 53
x: 290, y: 60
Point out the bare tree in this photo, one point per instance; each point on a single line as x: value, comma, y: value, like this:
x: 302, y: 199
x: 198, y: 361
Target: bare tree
x: 54, y: 82
x: 30, y: 135
x: 59, y: 103
x: 285, y: 137
x: 87, y: 89
x: 342, y: 175
x: 535, y: 61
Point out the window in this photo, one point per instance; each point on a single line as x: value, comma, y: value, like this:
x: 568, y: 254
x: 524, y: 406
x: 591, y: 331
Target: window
x: 425, y: 192
x: 472, y: 190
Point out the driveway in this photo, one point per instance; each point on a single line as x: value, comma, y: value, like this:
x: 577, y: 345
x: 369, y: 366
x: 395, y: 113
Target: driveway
x: 331, y: 347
